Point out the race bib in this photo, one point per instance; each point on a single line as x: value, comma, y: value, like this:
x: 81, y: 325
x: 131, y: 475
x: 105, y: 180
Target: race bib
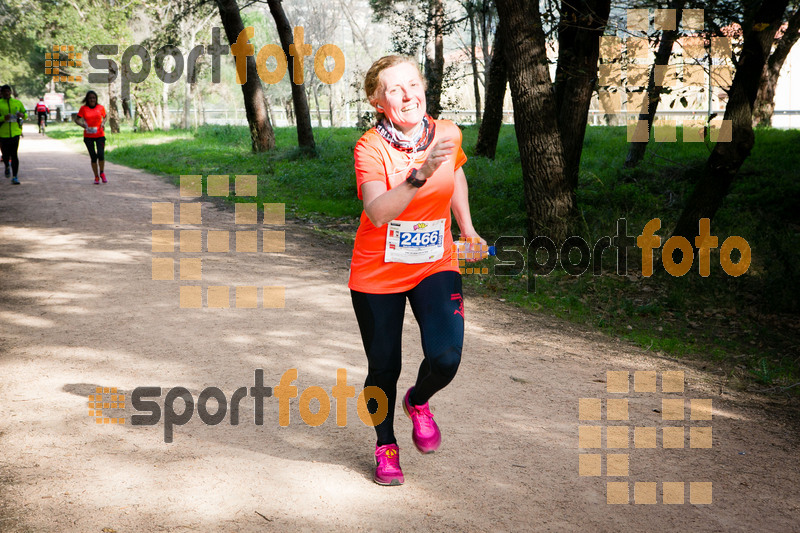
x: 91, y: 130
x: 414, y: 242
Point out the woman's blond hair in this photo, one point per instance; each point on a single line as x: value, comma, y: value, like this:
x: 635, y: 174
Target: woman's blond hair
x: 372, y: 81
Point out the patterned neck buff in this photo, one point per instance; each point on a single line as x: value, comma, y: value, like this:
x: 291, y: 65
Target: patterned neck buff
x: 400, y: 142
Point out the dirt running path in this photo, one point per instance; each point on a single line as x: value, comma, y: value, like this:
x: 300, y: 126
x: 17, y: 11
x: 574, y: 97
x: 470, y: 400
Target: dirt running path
x: 78, y: 309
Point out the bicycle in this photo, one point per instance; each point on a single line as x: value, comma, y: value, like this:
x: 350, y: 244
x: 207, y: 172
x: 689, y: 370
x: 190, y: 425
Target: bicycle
x: 42, y: 124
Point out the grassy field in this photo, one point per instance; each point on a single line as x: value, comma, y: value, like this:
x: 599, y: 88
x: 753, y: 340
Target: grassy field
x: 745, y: 327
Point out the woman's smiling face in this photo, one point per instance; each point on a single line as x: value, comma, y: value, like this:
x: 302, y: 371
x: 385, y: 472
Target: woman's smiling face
x: 402, y: 97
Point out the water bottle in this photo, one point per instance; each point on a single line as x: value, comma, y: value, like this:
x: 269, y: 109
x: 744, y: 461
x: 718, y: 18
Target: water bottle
x: 469, y: 250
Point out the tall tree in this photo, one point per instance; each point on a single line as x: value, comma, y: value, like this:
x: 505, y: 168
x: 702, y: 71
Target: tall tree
x: 191, y: 24
x: 113, y: 98
x: 17, y: 45
x: 320, y: 21
x: 636, y: 150
x: 305, y: 132
x: 261, y: 132
x: 420, y: 23
x: 115, y: 17
x: 495, y: 95
x: 581, y: 24
x: 765, y: 100
x: 31, y: 28
x: 549, y: 199
x: 760, y: 26
x: 480, y: 17
x: 473, y: 56
x: 550, y: 119
x: 434, y: 60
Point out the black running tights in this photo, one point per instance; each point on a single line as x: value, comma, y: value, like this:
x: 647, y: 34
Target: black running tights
x: 90, y: 144
x: 437, y: 303
x: 9, y: 147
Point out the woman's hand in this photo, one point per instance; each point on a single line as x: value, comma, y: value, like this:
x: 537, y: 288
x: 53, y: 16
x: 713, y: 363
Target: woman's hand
x: 438, y: 155
x: 477, y: 247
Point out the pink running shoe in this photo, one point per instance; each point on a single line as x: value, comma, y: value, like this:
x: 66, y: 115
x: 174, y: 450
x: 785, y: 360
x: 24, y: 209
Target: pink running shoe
x: 387, y: 465
x: 426, y: 435
x: 96, y: 180
x: 103, y: 177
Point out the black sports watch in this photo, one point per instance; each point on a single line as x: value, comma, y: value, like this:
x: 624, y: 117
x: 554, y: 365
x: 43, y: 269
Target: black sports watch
x: 412, y: 179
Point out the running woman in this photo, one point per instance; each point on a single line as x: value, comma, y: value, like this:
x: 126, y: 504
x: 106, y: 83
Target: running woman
x: 92, y: 117
x: 409, y: 177
x: 41, y: 113
x: 11, y: 111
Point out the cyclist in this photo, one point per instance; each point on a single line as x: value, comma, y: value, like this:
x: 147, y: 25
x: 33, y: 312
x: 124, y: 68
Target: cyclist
x: 41, y: 112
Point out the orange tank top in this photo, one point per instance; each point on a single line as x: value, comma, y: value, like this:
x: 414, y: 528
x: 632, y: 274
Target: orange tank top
x: 377, y: 160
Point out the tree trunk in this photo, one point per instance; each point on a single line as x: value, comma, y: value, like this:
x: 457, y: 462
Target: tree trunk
x: 126, y: 108
x: 269, y: 110
x: 485, y: 18
x: 636, y: 150
x: 435, y: 72
x: 305, y: 133
x: 261, y: 133
x: 287, y: 106
x: 187, y: 101
x: 495, y: 95
x: 113, y: 98
x: 474, y: 60
x: 358, y: 85
x: 157, y: 112
x: 331, y: 104
x: 144, y: 116
x: 166, y: 122
x: 549, y: 200
x: 764, y: 107
x: 580, y: 27
x: 611, y: 116
x: 727, y: 157
x: 188, y: 86
x: 316, y: 103
x: 765, y: 101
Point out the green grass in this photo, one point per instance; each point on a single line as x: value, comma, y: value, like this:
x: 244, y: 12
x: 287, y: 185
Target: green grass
x: 747, y: 325
x: 308, y: 186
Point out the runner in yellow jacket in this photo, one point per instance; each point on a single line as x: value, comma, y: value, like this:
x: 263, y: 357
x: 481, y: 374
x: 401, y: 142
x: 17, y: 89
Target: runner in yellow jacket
x: 10, y: 111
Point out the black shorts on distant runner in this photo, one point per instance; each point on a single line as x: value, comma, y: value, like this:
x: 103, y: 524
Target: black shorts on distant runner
x: 90, y: 143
